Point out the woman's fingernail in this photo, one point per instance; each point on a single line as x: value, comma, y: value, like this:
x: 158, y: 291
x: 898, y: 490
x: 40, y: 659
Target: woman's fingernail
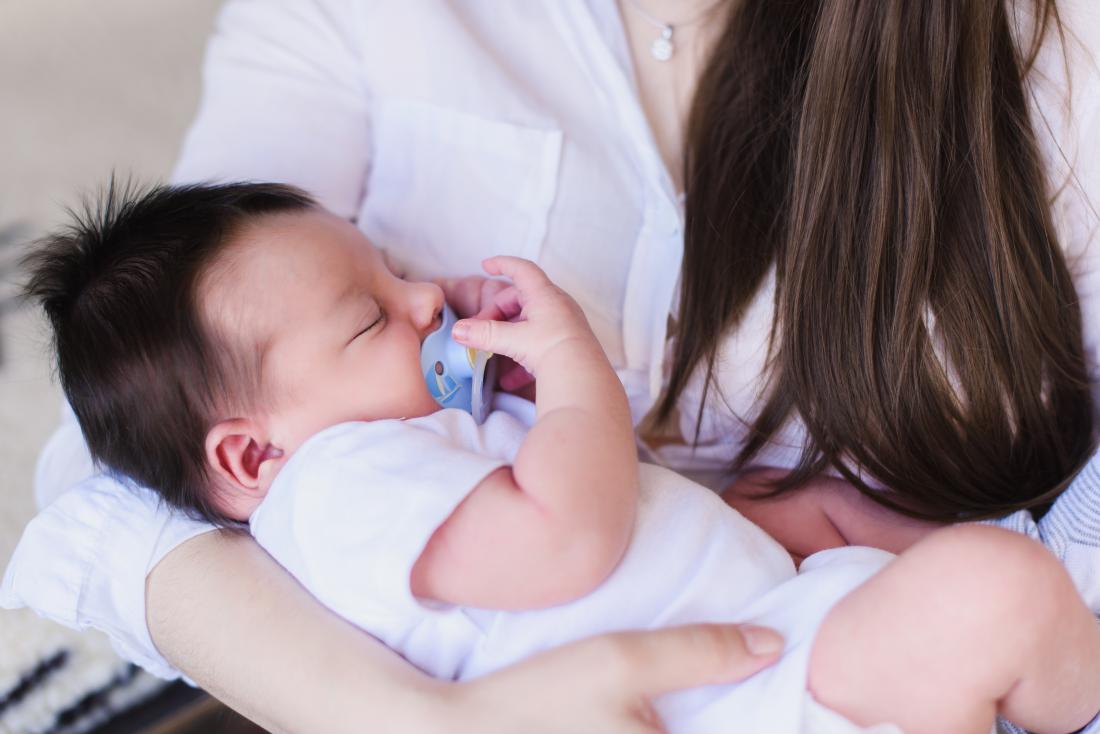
x: 761, y: 640
x: 461, y: 331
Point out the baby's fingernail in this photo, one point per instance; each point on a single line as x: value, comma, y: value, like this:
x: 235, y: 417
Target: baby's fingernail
x: 760, y: 640
x: 461, y: 331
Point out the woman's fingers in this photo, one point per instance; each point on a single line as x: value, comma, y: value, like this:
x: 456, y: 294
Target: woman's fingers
x: 652, y: 663
x: 606, y: 683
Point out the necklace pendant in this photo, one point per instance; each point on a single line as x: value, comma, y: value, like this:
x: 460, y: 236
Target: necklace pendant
x: 662, y: 48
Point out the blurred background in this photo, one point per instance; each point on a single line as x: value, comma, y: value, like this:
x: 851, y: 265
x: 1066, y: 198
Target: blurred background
x: 85, y: 88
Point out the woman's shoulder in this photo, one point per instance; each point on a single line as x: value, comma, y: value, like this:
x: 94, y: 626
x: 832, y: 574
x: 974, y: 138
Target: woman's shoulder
x: 1064, y: 81
x: 1080, y: 20
x: 1064, y: 89
x: 1070, y: 44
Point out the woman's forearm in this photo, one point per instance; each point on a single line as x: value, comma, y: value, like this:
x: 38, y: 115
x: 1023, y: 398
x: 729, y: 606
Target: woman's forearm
x: 233, y: 620
x: 827, y: 512
x: 226, y: 614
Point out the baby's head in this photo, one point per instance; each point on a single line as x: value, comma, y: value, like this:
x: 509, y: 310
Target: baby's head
x: 203, y: 333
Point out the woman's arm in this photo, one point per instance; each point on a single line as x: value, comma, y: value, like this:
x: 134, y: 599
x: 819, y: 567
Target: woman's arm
x: 231, y: 618
x: 227, y: 615
x: 826, y: 513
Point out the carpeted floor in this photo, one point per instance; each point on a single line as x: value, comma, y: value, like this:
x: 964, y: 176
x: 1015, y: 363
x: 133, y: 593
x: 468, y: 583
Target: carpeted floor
x: 84, y: 88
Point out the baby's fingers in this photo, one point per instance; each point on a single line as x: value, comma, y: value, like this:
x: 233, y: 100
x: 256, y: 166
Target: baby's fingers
x: 463, y: 294
x: 514, y: 378
x: 527, y: 276
x: 505, y: 304
x: 471, y: 295
x: 498, y: 337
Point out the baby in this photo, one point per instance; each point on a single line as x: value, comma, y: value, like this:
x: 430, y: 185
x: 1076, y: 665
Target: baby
x: 252, y: 358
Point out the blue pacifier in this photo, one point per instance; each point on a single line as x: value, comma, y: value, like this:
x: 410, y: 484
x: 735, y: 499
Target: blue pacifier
x: 457, y: 376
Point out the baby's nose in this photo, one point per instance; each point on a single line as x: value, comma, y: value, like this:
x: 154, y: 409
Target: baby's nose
x: 428, y: 309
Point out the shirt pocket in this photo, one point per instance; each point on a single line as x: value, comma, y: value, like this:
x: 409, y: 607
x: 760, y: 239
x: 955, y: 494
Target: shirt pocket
x: 447, y: 189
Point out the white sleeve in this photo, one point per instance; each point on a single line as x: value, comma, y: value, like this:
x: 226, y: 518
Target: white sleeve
x: 82, y: 562
x: 1068, y: 97
x: 64, y: 461
x: 1086, y: 224
x: 284, y: 99
x: 352, y: 511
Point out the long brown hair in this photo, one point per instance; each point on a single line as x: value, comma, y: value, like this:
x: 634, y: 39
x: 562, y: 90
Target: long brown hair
x: 879, y: 154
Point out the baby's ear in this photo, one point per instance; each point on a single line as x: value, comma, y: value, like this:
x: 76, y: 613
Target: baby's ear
x: 236, y: 449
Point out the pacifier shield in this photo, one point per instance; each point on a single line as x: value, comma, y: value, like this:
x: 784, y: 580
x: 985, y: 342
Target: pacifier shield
x: 455, y: 374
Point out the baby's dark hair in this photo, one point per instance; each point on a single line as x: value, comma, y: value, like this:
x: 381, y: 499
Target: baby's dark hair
x: 143, y: 373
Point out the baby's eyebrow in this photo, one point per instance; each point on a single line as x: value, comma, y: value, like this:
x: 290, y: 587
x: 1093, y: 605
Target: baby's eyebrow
x: 352, y: 301
x: 351, y: 291
x: 355, y: 301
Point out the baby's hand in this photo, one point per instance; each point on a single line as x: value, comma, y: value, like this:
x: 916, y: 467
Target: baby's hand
x: 527, y: 320
x: 469, y: 297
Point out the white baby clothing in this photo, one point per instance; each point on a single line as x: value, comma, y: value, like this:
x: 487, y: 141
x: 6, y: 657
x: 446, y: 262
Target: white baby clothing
x: 353, y: 508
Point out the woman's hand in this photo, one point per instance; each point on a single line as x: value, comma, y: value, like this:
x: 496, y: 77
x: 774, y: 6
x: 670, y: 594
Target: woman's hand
x: 475, y: 296
x: 607, y: 683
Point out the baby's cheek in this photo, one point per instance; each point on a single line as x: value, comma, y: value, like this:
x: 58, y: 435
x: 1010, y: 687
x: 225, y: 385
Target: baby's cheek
x: 419, y: 400
x: 392, y: 393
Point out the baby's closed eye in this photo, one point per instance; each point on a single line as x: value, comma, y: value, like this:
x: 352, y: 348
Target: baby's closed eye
x: 375, y: 319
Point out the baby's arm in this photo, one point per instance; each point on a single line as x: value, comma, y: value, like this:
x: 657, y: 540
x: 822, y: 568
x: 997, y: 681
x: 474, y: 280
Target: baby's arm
x: 551, y: 527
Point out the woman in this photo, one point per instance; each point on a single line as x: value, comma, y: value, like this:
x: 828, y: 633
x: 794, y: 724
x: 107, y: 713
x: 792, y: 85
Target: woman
x: 856, y: 173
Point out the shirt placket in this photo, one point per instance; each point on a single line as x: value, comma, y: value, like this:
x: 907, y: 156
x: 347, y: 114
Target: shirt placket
x: 655, y: 263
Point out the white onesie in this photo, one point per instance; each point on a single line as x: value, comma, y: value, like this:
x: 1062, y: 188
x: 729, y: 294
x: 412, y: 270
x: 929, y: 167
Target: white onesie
x: 352, y: 510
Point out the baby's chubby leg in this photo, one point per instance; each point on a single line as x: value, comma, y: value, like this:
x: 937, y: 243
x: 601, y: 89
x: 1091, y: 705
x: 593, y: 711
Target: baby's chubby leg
x: 969, y: 623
